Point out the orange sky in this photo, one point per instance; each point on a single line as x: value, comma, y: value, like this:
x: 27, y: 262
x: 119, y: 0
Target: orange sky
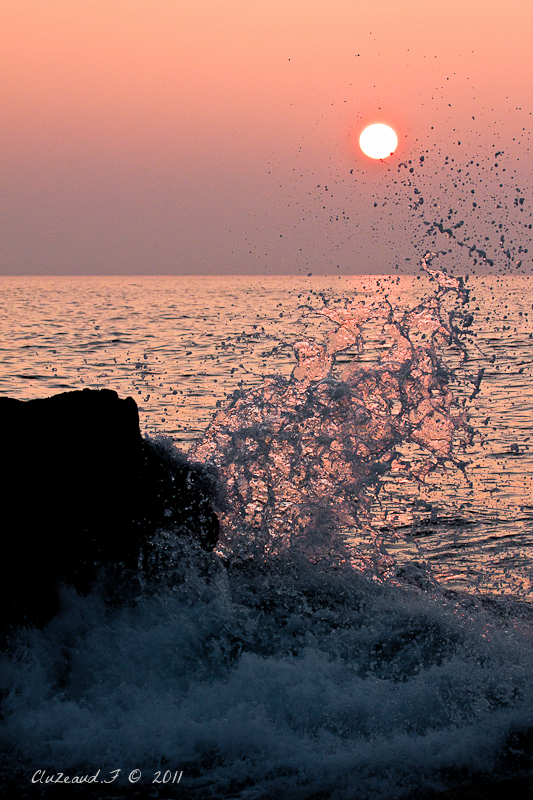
x: 172, y: 136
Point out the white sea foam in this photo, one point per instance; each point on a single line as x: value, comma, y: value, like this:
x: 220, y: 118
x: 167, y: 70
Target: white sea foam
x: 268, y: 681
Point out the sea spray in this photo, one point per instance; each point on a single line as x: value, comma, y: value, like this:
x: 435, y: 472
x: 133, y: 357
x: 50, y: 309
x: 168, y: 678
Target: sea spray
x: 304, y: 456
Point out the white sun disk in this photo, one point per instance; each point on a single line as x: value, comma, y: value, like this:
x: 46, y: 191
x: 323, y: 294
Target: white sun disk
x: 378, y: 141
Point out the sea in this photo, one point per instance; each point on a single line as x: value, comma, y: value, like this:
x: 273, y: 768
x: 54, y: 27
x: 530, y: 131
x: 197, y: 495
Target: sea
x: 364, y: 628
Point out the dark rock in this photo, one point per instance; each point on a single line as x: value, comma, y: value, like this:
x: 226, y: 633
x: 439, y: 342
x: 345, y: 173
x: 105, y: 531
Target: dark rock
x: 83, y: 489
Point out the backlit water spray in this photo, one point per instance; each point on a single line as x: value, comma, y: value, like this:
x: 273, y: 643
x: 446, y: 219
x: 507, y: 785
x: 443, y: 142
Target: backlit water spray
x: 305, y: 457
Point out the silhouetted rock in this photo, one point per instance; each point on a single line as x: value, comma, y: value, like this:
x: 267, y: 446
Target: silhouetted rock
x: 82, y: 489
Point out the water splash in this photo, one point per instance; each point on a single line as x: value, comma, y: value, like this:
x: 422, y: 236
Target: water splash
x: 282, y: 676
x: 305, y: 457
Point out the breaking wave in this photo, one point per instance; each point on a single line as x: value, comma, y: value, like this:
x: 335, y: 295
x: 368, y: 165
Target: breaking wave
x: 296, y: 660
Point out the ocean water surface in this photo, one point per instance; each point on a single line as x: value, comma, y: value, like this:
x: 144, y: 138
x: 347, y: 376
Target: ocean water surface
x: 364, y: 628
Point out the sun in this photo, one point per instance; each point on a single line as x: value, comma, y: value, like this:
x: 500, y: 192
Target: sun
x: 378, y: 141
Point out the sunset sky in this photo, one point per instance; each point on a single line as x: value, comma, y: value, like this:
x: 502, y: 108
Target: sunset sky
x: 220, y: 136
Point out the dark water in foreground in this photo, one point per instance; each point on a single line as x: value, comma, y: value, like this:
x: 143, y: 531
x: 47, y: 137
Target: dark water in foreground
x: 364, y: 628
